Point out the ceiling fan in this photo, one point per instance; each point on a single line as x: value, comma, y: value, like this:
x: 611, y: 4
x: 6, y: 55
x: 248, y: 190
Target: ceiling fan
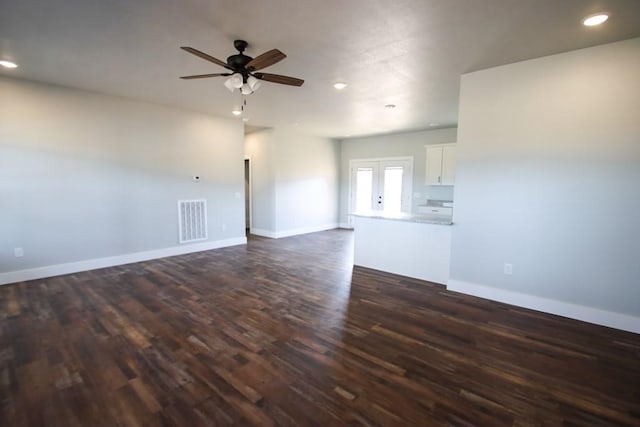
x: 244, y: 69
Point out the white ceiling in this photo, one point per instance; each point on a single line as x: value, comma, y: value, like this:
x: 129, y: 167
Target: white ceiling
x: 405, y: 52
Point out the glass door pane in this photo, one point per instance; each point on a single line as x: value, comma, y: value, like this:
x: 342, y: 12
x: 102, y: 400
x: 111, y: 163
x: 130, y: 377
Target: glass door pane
x: 396, y: 181
x: 364, y: 189
x: 380, y: 185
x: 392, y: 196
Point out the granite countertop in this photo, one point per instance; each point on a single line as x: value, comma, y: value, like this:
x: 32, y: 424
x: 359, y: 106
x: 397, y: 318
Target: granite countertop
x: 408, y: 217
x: 438, y: 203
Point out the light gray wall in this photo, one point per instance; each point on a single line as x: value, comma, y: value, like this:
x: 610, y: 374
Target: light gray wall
x: 548, y: 178
x: 85, y: 176
x: 306, y: 181
x: 395, y: 145
x: 294, y: 179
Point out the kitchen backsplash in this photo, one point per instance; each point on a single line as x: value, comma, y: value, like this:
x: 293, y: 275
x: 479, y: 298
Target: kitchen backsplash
x: 439, y: 192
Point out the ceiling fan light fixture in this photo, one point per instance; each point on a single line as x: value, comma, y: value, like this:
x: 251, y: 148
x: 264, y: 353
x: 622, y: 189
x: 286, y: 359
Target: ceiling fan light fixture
x: 593, y: 20
x: 246, y: 89
x: 234, y: 82
x: 253, y: 83
x: 236, y: 112
x: 229, y: 85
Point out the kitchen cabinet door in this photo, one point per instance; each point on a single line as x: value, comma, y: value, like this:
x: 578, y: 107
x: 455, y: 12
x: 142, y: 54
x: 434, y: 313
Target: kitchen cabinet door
x: 440, y: 164
x: 434, y: 165
x: 448, y: 165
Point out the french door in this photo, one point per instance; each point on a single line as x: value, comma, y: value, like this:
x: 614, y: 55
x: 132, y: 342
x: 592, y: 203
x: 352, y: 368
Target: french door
x: 381, y: 185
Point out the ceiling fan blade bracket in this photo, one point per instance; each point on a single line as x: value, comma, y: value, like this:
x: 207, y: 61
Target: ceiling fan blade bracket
x: 266, y: 59
x: 204, y: 76
x: 277, y: 78
x: 206, y: 57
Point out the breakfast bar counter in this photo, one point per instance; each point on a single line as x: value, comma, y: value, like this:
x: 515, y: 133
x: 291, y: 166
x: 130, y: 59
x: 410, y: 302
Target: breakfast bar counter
x: 417, y: 246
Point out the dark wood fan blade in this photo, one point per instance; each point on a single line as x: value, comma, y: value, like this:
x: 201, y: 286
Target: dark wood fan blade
x: 204, y: 76
x: 264, y: 60
x: 276, y: 78
x: 204, y: 56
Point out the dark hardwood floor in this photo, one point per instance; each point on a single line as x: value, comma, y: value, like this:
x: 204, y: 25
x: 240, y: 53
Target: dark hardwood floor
x: 286, y: 332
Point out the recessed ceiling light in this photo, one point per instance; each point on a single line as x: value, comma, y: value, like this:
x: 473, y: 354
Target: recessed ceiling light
x: 593, y: 20
x: 339, y: 85
x: 236, y: 112
x: 8, y: 64
x: 390, y: 106
x: 433, y: 124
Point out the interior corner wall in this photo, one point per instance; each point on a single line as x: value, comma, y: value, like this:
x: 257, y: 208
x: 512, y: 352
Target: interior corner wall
x: 86, y: 176
x: 306, y: 178
x: 294, y: 182
x: 410, y: 144
x: 548, y: 180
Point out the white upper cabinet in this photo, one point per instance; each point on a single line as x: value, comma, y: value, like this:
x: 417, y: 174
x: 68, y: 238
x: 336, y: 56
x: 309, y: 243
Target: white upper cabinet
x: 441, y: 164
x: 449, y: 164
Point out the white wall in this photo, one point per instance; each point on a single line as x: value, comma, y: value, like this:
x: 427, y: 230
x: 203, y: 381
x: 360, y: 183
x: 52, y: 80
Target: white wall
x: 295, y: 182
x: 409, y: 144
x: 86, y: 176
x: 548, y: 179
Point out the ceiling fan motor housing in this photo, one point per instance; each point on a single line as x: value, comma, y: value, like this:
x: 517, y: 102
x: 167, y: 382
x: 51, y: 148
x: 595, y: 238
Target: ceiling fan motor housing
x: 238, y: 61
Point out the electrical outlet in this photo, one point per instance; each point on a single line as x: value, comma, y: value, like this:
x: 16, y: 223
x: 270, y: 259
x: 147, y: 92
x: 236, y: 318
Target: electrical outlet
x: 18, y: 252
x: 508, y: 269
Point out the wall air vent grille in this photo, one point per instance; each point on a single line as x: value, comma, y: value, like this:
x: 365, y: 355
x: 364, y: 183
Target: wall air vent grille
x: 192, y: 220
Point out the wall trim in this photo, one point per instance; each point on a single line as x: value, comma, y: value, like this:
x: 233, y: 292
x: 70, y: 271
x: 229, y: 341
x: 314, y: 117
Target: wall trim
x: 294, y: 231
x: 345, y: 225
x: 92, y: 264
x: 596, y: 316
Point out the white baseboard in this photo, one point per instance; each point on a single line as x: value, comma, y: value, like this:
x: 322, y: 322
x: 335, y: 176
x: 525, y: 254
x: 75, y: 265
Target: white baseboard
x: 346, y: 225
x: 92, y: 264
x: 305, y: 230
x: 611, y: 319
x: 293, y: 232
x: 263, y: 233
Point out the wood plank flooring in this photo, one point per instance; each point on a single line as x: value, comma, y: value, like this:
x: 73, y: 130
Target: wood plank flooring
x: 285, y: 332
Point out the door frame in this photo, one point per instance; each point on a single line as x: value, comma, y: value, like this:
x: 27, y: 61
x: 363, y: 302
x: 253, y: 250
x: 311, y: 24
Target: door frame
x: 409, y: 190
x: 247, y: 160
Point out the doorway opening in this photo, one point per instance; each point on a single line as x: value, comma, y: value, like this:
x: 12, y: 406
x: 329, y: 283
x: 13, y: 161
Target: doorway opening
x: 247, y: 196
